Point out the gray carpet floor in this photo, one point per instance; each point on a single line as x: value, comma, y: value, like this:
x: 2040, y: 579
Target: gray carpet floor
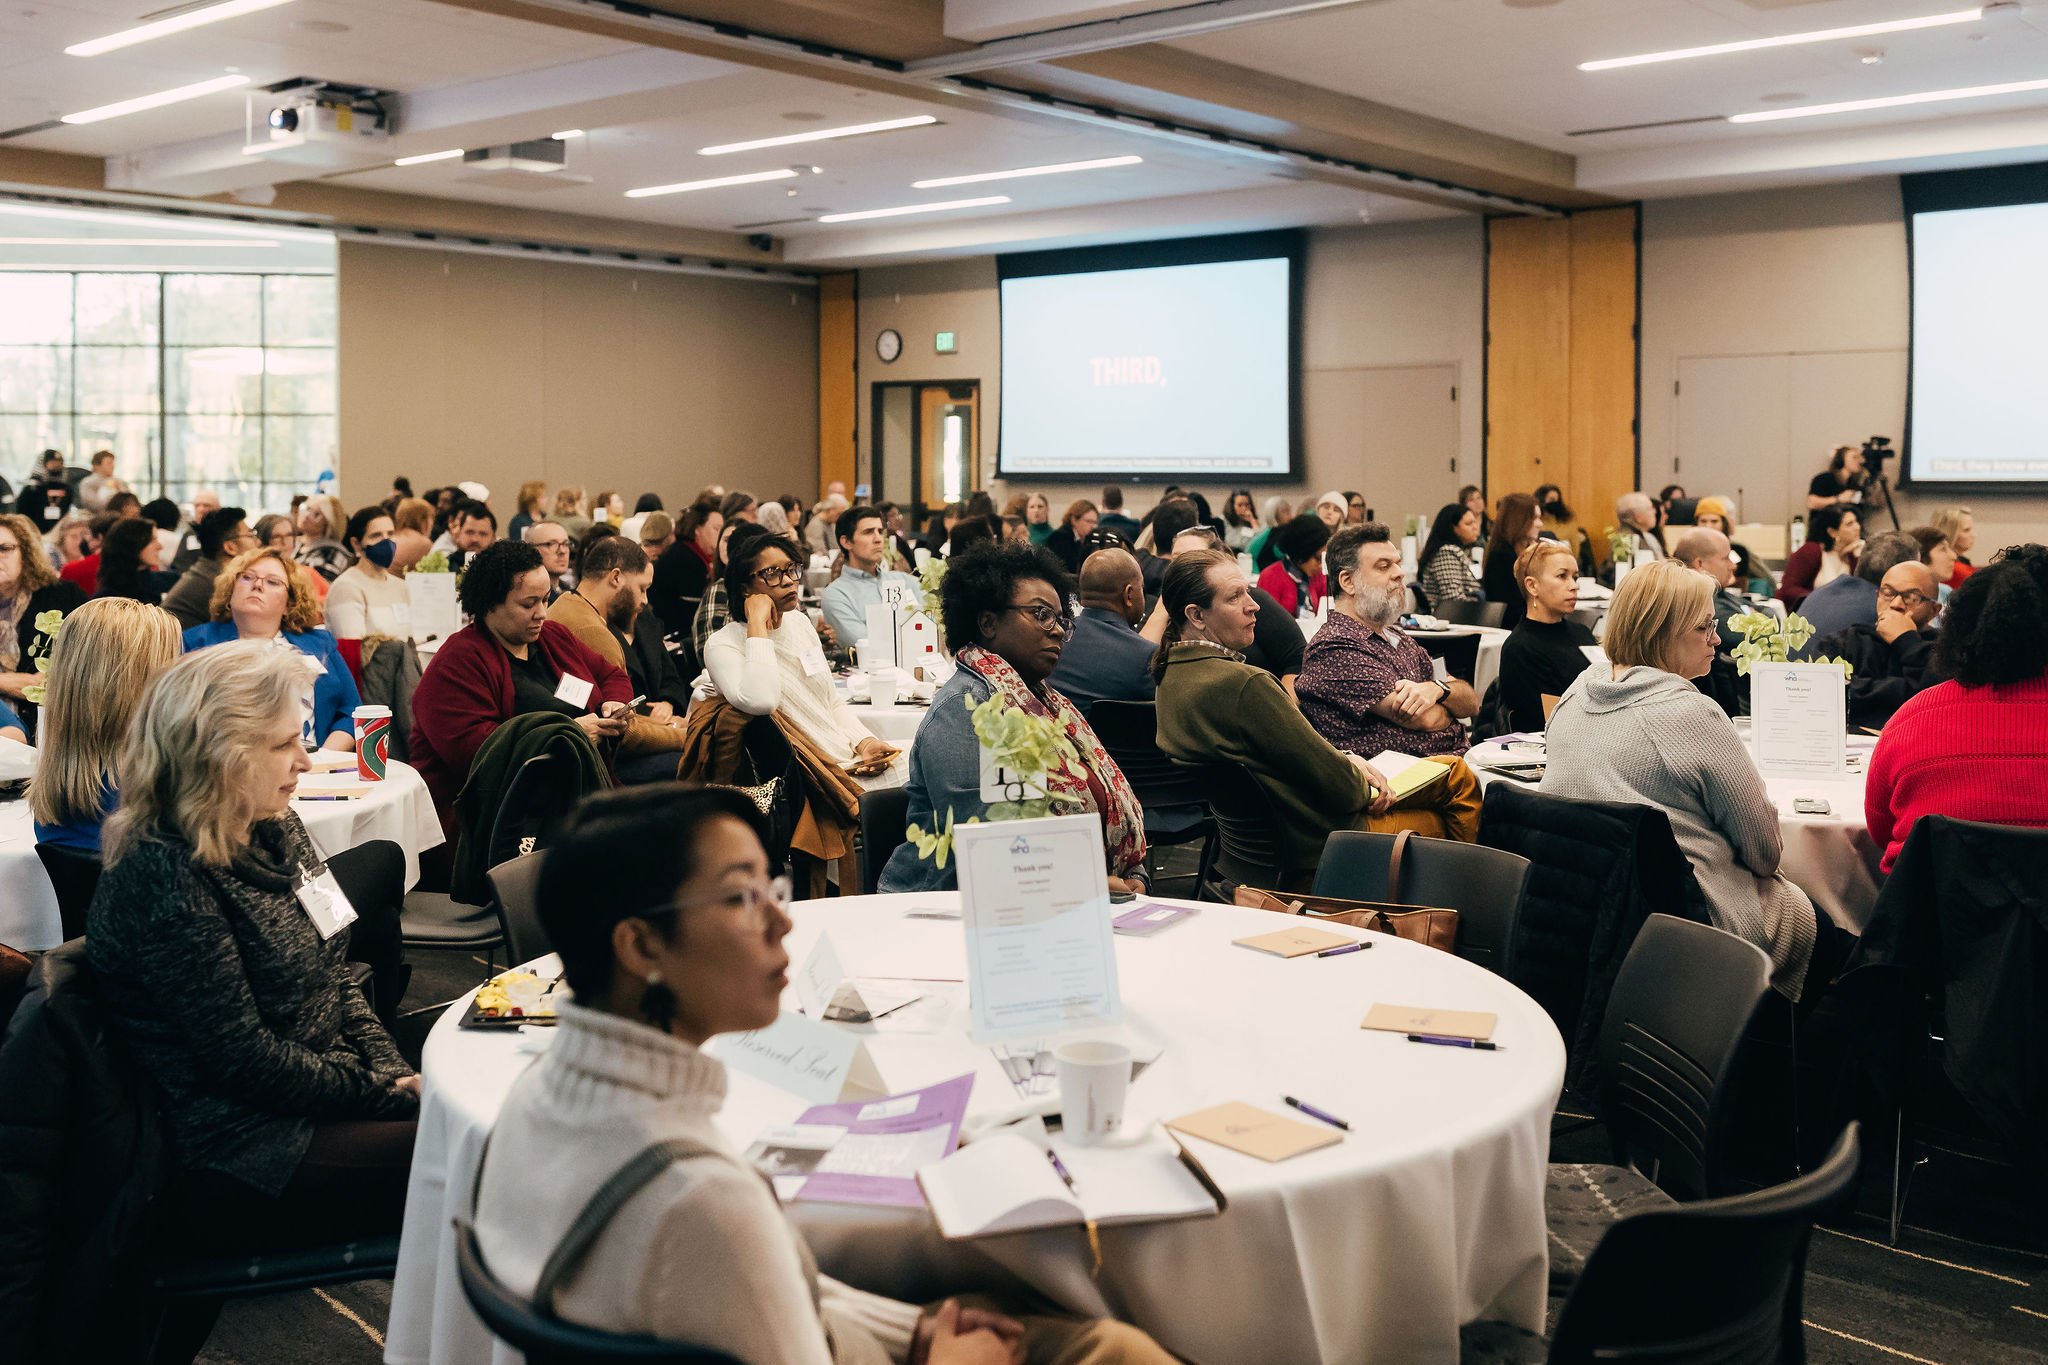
x: 1967, y: 1283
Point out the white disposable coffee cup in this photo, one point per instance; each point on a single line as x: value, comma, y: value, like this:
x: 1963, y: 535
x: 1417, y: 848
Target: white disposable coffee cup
x: 882, y: 687
x: 1095, y: 1077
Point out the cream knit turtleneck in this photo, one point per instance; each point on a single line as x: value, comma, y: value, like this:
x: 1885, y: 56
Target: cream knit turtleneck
x: 703, y: 1254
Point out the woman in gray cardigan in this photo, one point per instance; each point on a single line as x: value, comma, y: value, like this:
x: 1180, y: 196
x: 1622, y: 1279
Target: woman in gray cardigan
x: 1636, y: 729
x: 289, y: 1108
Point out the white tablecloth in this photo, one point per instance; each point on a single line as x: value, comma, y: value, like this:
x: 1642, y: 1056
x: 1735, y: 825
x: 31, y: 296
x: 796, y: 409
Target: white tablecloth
x: 398, y: 809
x: 1830, y: 857
x: 895, y: 724
x: 1428, y: 1215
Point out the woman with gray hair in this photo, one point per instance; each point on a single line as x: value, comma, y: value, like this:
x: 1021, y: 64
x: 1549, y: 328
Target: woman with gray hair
x: 321, y: 522
x: 220, y: 943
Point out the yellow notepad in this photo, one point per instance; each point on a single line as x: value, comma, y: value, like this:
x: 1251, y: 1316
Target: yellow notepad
x: 1294, y: 942
x: 1255, y: 1132
x: 1474, y: 1024
x: 1406, y: 773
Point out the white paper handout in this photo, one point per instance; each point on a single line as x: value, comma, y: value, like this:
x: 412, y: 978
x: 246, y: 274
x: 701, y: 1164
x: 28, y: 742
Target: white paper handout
x: 878, y: 650
x: 808, y: 1058
x: 1798, y: 719
x: 1041, y: 956
x: 431, y: 606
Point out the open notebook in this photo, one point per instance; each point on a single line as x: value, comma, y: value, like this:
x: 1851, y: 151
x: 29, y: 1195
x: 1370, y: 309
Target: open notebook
x: 1004, y: 1183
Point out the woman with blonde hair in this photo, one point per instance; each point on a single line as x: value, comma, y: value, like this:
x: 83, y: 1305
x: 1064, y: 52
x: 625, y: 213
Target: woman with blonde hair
x: 532, y: 494
x: 220, y: 954
x: 67, y: 541
x: 263, y: 596
x: 571, y: 513
x: 321, y: 521
x: 104, y: 660
x: 1960, y: 526
x: 29, y: 590
x: 1636, y: 729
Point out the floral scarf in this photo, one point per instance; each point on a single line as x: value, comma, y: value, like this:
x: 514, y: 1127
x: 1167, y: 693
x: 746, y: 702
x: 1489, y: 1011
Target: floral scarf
x: 1097, y: 784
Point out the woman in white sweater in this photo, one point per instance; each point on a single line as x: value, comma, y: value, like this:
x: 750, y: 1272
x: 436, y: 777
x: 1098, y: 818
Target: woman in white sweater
x: 368, y: 598
x: 767, y: 660
x: 1636, y: 729
x: 686, y: 943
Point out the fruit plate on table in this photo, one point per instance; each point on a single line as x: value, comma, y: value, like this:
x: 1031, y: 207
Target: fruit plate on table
x: 511, y: 999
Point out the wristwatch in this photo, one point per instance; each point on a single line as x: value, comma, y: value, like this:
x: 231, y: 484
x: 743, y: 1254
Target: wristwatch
x: 1443, y: 691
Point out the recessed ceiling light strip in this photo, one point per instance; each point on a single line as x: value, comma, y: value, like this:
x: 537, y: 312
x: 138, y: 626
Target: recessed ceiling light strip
x: 177, y: 23
x: 684, y: 187
x: 1823, y: 35
x: 905, y: 209
x: 1973, y: 92
x: 1061, y: 168
x: 236, y: 242
x: 424, y: 157
x: 819, y: 135
x: 156, y: 101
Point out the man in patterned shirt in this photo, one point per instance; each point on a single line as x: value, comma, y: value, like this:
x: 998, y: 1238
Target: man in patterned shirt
x: 1366, y: 686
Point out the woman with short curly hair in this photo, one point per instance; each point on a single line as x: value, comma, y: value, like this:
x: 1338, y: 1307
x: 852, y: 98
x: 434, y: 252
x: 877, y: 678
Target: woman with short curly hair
x: 263, y: 595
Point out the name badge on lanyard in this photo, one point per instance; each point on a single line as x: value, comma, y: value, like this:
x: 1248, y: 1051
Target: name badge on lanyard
x: 325, y: 903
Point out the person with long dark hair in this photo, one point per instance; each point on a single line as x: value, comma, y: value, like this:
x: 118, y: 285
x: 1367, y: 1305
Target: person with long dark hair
x: 1240, y: 520
x: 1446, y: 558
x: 1834, y: 541
x: 1514, y: 531
x: 129, y: 563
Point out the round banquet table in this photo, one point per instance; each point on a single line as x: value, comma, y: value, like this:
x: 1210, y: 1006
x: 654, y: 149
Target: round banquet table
x: 893, y: 724
x: 1429, y: 1214
x: 1831, y: 857
x: 398, y: 809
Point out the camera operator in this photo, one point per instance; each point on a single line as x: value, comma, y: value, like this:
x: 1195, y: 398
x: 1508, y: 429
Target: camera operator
x: 1854, y: 475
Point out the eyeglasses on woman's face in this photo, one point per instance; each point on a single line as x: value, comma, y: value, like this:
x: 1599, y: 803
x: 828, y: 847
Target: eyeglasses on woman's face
x: 772, y: 577
x: 262, y: 582
x: 753, y: 900
x: 1048, y: 618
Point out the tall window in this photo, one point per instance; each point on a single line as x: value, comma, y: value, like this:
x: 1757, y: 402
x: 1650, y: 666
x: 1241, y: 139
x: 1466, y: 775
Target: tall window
x: 194, y: 381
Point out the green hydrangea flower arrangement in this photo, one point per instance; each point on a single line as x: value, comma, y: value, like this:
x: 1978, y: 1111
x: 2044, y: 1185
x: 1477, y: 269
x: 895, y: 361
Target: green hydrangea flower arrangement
x: 1767, y: 640
x: 48, y: 624
x: 1020, y: 742
x: 929, y: 577
x: 1621, y: 546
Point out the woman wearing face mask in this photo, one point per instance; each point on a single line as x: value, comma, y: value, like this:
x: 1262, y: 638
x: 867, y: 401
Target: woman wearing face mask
x: 369, y: 599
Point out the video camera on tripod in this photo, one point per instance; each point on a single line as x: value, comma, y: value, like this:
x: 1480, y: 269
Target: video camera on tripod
x: 1876, y: 451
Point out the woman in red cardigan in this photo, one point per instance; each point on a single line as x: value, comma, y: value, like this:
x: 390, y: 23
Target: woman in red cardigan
x: 509, y: 660
x: 1974, y: 747
x: 1834, y: 537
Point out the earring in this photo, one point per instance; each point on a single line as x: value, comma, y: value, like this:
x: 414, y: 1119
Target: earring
x: 658, y: 1003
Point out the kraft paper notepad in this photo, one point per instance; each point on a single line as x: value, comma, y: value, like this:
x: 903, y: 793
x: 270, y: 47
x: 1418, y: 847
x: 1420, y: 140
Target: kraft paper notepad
x: 1255, y: 1132
x: 1294, y: 942
x: 1474, y: 1024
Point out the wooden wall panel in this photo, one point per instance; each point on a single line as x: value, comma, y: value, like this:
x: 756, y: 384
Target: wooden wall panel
x: 1602, y: 456
x: 1528, y: 352
x: 1561, y: 358
x: 838, y: 389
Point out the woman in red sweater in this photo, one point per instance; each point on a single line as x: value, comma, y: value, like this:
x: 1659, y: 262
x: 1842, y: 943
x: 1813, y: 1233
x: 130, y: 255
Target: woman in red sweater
x: 509, y: 660
x: 1834, y: 537
x: 1296, y: 578
x: 1974, y: 747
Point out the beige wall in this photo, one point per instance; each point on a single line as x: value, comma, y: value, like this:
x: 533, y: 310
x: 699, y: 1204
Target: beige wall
x: 1377, y: 299
x: 463, y: 366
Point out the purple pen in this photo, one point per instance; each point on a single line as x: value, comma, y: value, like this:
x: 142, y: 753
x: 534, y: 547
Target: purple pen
x: 1066, y: 1176
x: 1360, y: 946
x: 1316, y: 1113
x: 1453, y: 1042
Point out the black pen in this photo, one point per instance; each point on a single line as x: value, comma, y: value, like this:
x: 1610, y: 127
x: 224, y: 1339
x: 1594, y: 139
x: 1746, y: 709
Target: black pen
x: 1453, y: 1042
x: 1316, y: 1113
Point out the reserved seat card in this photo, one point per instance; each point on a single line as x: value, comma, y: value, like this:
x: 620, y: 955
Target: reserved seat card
x: 1255, y: 1132
x: 1294, y: 942
x: 1474, y: 1024
x: 1041, y: 958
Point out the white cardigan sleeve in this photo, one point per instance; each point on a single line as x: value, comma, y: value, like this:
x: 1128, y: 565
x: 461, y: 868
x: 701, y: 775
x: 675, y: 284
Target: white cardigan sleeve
x: 744, y: 670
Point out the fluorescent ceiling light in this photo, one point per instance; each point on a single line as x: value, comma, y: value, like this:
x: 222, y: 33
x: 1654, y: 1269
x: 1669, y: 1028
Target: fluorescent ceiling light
x: 131, y: 241
x: 1059, y: 169
x: 424, y: 157
x: 151, y: 221
x: 156, y: 101
x: 820, y: 135
x: 567, y: 134
x: 913, y: 208
x: 177, y: 23
x: 1823, y: 35
x: 1973, y: 92
x: 684, y: 187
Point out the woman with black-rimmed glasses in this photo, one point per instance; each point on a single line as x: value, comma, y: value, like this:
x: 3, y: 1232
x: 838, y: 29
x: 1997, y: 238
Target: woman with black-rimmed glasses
x: 767, y: 661
x: 1007, y: 622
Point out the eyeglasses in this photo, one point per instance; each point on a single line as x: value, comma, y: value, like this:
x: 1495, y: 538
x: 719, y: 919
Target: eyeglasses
x: 1046, y: 617
x: 257, y: 580
x: 561, y: 544
x: 788, y: 573
x: 1909, y: 598
x: 752, y: 901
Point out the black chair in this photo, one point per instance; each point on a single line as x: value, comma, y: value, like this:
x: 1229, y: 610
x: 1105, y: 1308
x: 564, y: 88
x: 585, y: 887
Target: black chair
x: 1176, y: 807
x: 435, y: 919
x: 104, y: 1265
x: 1597, y: 870
x: 1251, y: 838
x: 372, y: 876
x: 1471, y: 613
x: 1712, y: 1283
x: 1668, y: 1050
x: 1484, y: 885
x: 75, y: 873
x: 1460, y: 653
x: 515, y: 887
x: 551, y: 1341
x: 883, y: 816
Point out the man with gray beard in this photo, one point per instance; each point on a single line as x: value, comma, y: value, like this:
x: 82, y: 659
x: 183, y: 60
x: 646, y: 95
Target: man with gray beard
x: 1364, y: 685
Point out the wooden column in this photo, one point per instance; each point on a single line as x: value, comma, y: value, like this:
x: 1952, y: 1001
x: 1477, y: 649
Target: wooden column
x: 838, y: 405
x: 1561, y: 372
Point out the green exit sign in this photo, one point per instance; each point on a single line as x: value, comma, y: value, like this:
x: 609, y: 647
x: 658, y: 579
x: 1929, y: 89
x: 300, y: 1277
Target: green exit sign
x: 946, y: 343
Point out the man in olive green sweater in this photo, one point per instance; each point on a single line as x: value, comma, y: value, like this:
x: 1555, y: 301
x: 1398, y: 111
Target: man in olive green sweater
x: 1213, y: 707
